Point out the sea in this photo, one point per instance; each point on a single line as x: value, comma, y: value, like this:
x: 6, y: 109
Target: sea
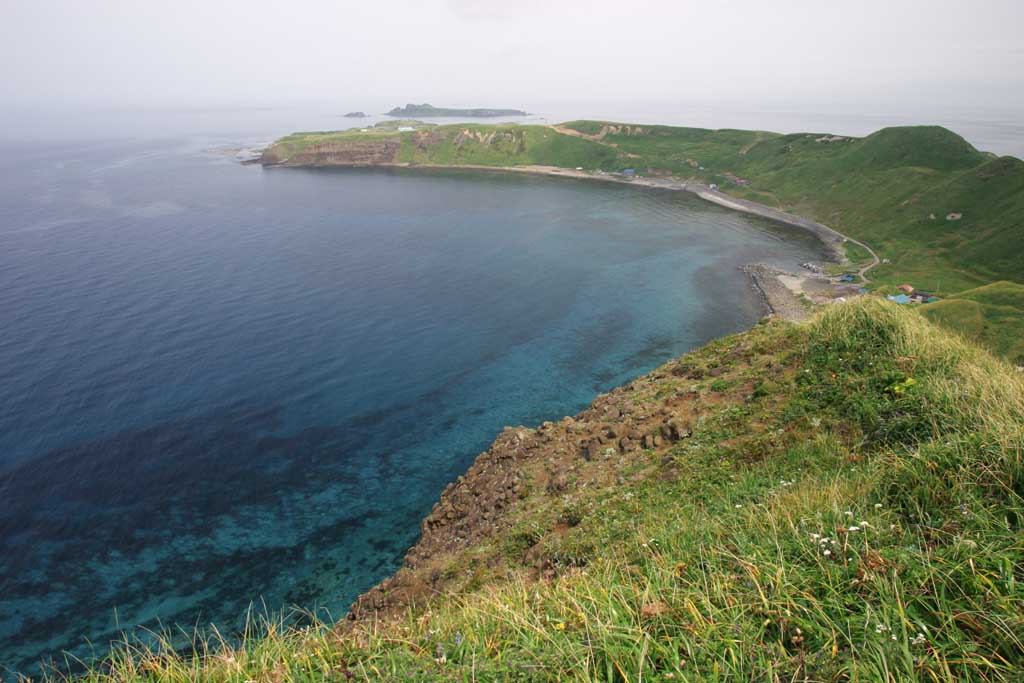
x: 227, y: 389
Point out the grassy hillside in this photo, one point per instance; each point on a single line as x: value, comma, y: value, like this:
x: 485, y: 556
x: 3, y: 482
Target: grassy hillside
x: 473, y: 144
x: 892, y: 189
x: 504, y: 145
x: 837, y: 501
x: 993, y: 314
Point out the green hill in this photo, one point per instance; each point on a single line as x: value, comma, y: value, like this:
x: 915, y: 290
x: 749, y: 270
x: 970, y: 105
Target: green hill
x: 449, y: 145
x: 993, y: 315
x: 883, y: 189
x: 914, y: 146
x: 836, y: 501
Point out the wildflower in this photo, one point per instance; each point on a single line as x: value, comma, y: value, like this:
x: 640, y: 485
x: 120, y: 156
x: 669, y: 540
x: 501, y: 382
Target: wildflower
x: 881, y: 628
x: 919, y: 639
x: 864, y: 524
x: 826, y: 553
x: 848, y: 513
x: 853, y: 529
x: 737, y: 506
x: 560, y: 626
x: 878, y: 506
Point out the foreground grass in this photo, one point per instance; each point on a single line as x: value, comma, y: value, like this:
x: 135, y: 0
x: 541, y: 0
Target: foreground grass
x: 850, y: 510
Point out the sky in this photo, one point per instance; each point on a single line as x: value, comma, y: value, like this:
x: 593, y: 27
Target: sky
x: 871, y: 55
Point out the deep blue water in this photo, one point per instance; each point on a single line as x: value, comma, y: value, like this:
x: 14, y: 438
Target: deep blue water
x: 221, y: 384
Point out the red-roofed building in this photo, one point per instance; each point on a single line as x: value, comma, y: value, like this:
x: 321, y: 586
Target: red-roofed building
x: 906, y: 288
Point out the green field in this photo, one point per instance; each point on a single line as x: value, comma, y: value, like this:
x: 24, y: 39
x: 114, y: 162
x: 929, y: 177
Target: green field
x: 847, y: 504
x: 992, y: 314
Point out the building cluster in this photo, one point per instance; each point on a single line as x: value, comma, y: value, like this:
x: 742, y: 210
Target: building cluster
x: 910, y: 295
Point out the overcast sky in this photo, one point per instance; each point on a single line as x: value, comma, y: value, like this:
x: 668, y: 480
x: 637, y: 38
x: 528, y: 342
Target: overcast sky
x: 519, y: 53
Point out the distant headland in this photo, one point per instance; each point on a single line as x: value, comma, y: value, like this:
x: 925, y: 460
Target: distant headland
x: 421, y: 110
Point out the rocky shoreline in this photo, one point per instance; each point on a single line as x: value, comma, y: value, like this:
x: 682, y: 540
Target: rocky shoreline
x: 630, y: 429
x: 779, y: 299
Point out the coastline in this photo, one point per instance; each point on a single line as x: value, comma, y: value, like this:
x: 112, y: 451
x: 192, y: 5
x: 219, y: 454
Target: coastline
x: 832, y: 239
x: 780, y: 297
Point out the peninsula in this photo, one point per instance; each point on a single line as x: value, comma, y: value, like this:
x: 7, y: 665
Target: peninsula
x: 427, y: 110
x: 917, y: 206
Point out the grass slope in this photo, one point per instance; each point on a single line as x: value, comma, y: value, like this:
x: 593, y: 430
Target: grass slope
x: 849, y: 507
x: 504, y: 145
x: 992, y: 314
x: 883, y: 189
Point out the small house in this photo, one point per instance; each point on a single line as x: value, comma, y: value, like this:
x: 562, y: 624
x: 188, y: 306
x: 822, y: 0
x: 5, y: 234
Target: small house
x: 954, y: 216
x: 899, y: 298
x: 713, y: 186
x: 847, y: 277
x: 906, y: 288
x: 630, y: 172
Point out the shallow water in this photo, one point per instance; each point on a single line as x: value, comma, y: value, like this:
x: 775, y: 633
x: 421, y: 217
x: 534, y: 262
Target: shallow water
x: 221, y: 384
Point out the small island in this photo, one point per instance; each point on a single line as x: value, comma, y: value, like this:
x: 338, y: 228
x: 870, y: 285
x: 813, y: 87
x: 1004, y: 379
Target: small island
x: 356, y: 115
x: 422, y: 110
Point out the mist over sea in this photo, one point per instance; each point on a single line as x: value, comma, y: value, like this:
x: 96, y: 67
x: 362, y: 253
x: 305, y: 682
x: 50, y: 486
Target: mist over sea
x: 222, y: 384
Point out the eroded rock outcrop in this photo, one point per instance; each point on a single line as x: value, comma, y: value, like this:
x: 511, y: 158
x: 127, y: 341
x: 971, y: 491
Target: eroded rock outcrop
x: 648, y: 415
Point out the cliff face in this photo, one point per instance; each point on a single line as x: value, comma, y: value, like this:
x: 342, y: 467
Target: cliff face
x: 625, y: 436
x: 347, y: 152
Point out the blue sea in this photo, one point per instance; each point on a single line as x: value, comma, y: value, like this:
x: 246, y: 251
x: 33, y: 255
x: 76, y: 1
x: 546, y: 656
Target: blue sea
x: 223, y: 385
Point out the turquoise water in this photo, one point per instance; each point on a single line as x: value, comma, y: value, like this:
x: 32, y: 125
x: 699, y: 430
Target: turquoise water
x: 222, y: 384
